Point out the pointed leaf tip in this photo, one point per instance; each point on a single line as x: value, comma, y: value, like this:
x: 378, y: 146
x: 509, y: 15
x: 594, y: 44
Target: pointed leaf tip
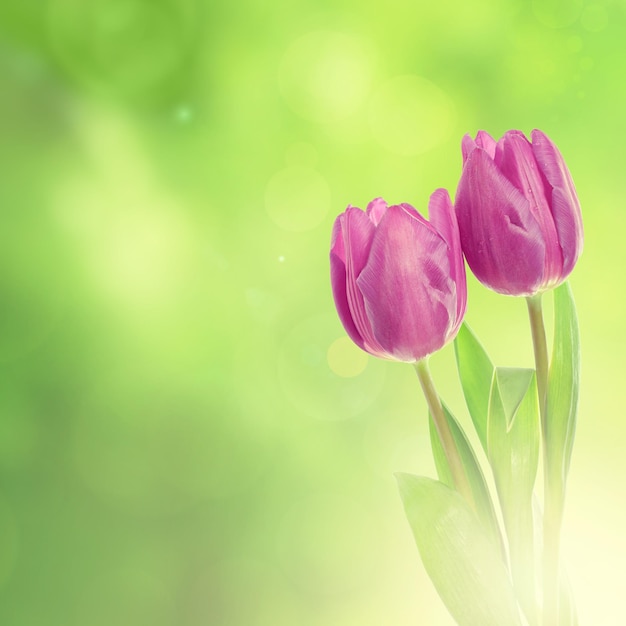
x: 513, y: 384
x: 476, y: 372
x: 513, y: 436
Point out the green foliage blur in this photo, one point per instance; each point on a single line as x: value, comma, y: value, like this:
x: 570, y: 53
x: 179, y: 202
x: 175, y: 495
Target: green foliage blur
x: 187, y: 438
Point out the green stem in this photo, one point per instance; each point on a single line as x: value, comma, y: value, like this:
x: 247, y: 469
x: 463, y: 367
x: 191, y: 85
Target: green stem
x: 540, y: 345
x: 446, y: 438
x: 552, y: 506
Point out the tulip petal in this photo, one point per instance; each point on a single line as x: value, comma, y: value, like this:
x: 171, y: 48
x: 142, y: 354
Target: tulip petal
x: 338, y: 281
x: 564, y: 202
x: 467, y: 145
x: 409, y: 294
x: 569, y: 228
x: 501, y: 239
x: 414, y: 213
x: 376, y: 209
x: 485, y: 141
x: 358, y: 232
x: 517, y: 162
x: 337, y: 247
x: 443, y: 218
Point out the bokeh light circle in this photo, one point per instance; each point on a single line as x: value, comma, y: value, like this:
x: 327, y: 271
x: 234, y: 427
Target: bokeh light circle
x: 557, y: 13
x: 594, y: 18
x: 311, y: 385
x: 129, y: 46
x: 326, y: 76
x: 297, y: 198
x: 410, y: 115
x: 345, y: 359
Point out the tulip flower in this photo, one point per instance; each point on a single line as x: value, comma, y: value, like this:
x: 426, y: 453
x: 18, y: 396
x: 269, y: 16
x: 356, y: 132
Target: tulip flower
x: 518, y: 213
x: 398, y: 280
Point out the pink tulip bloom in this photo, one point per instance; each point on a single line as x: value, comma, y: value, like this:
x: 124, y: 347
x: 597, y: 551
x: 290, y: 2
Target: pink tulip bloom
x: 398, y: 280
x: 518, y: 213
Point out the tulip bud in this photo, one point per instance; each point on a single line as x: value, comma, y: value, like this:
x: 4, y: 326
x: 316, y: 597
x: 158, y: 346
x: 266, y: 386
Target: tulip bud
x: 518, y: 213
x: 398, y: 280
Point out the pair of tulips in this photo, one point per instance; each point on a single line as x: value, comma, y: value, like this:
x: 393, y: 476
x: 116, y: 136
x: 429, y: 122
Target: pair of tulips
x: 398, y: 279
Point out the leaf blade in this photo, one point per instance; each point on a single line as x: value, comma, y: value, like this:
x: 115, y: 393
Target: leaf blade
x: 480, y: 491
x: 563, y: 387
x: 460, y: 559
x: 513, y: 441
x: 475, y: 371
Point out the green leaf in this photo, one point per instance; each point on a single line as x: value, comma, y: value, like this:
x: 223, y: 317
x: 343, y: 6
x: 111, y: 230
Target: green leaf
x: 513, y: 433
x: 513, y: 384
x: 476, y: 372
x: 482, y: 498
x: 460, y: 559
x: 563, y: 388
x: 567, y: 608
x: 513, y: 441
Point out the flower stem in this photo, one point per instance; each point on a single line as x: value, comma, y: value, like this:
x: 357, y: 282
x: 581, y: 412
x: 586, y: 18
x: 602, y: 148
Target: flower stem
x: 446, y: 438
x: 552, y: 506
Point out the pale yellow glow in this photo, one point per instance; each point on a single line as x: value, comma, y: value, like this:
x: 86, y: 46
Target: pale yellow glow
x: 345, y: 359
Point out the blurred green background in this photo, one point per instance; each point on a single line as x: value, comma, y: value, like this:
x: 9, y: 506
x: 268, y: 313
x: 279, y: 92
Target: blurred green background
x: 187, y: 438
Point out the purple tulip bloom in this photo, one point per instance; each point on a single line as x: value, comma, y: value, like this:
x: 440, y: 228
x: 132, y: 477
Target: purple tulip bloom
x: 399, y: 280
x: 519, y: 216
